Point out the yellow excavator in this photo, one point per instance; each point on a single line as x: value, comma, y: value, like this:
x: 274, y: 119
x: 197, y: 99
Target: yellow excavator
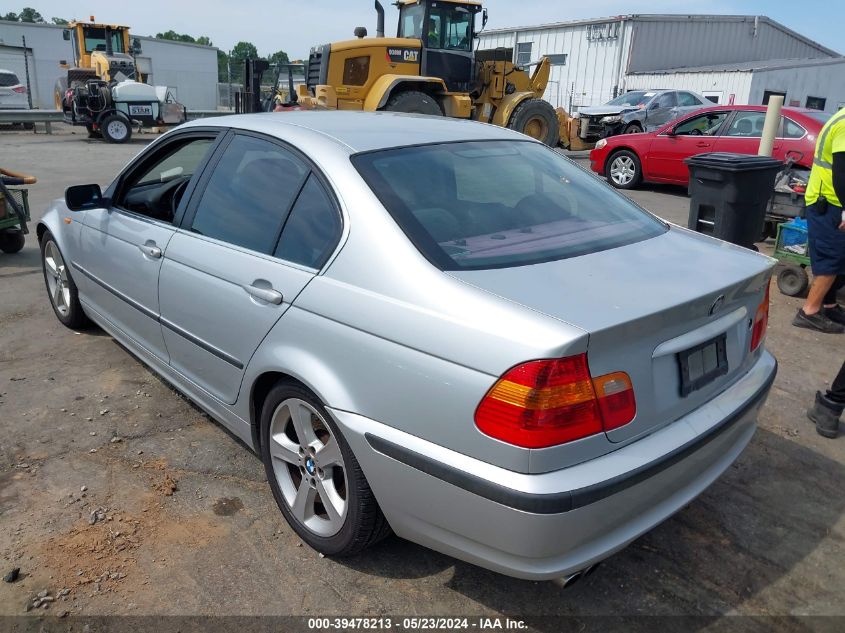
x: 432, y: 67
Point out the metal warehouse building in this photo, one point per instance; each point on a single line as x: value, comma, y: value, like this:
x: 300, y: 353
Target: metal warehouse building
x: 810, y: 83
x: 595, y: 60
x: 188, y: 70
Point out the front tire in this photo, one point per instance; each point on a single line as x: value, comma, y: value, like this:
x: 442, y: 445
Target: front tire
x: 624, y: 170
x: 413, y: 102
x: 61, y: 288
x: 536, y: 118
x: 11, y: 241
x: 315, y: 478
x: 116, y: 129
x: 634, y: 128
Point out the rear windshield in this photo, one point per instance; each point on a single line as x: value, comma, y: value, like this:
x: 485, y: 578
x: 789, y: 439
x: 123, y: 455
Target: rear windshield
x: 496, y: 204
x: 820, y: 116
x: 8, y: 79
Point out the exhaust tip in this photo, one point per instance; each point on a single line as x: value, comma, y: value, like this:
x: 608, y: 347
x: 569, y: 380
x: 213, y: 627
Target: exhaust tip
x: 571, y: 580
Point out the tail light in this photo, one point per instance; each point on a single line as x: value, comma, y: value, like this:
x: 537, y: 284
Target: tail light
x: 19, y: 89
x: 548, y: 402
x: 761, y: 321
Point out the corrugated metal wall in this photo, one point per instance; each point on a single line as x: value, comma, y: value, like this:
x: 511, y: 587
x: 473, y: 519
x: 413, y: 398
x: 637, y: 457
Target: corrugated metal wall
x: 717, y: 84
x: 593, y: 67
x: 674, y: 43
x: 826, y: 82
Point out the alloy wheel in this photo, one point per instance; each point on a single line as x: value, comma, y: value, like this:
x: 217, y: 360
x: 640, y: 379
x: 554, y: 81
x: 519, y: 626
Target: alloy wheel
x: 622, y: 170
x: 308, y: 466
x: 57, y: 278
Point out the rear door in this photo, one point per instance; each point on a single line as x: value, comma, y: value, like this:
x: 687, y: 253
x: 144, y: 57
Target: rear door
x: 743, y: 132
x: 259, y: 227
x: 694, y: 135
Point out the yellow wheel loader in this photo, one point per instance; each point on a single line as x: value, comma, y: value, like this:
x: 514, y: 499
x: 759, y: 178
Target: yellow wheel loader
x: 432, y: 67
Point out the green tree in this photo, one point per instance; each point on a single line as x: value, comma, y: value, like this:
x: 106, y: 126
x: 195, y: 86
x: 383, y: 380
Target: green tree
x: 28, y: 14
x: 11, y: 16
x: 279, y: 57
x: 59, y: 21
x: 241, y: 52
x: 204, y: 40
x: 175, y: 37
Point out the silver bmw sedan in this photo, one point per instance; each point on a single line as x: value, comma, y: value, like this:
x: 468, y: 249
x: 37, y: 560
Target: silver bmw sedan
x: 430, y: 327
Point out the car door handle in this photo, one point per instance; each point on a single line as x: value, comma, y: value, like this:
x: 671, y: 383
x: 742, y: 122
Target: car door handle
x: 702, y: 144
x: 265, y: 294
x: 150, y: 250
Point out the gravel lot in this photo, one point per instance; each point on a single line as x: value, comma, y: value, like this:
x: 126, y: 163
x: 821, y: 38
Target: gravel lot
x: 184, y: 523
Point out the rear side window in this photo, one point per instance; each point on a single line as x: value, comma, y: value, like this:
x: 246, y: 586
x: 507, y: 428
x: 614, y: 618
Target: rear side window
x: 791, y: 129
x: 249, y: 193
x: 496, y: 204
x: 8, y: 79
x: 312, y: 229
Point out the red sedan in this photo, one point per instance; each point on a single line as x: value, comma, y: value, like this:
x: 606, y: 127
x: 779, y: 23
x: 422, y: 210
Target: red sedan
x: 629, y: 159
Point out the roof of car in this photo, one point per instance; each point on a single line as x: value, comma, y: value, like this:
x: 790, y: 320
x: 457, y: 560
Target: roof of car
x: 366, y: 131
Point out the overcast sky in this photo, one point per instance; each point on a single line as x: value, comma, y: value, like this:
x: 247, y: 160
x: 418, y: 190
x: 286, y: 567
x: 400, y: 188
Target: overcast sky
x: 295, y: 26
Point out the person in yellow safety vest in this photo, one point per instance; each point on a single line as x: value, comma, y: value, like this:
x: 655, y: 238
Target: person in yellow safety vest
x: 826, y: 231
x: 433, y: 40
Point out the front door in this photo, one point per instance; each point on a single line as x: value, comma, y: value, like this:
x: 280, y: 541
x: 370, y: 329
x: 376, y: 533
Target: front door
x: 663, y: 109
x: 695, y: 135
x: 448, y: 54
x: 257, y: 230
x: 122, y: 246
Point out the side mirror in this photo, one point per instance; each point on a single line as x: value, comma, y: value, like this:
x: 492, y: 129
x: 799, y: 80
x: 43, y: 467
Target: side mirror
x: 671, y: 132
x: 136, y: 46
x: 66, y: 35
x: 82, y: 197
x: 484, y: 17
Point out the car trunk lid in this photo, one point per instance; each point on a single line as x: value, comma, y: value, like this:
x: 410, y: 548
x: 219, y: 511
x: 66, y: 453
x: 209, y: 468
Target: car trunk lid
x: 644, y: 306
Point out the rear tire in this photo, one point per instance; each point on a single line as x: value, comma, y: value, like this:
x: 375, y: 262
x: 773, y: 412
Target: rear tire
x: 11, y: 241
x: 793, y: 281
x: 413, y: 102
x: 536, y: 118
x: 116, y: 129
x: 293, y: 422
x: 624, y: 170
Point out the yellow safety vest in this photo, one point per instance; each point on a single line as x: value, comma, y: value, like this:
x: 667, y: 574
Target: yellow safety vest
x: 831, y: 141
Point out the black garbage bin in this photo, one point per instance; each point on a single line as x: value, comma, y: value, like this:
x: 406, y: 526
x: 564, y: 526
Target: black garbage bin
x: 729, y: 194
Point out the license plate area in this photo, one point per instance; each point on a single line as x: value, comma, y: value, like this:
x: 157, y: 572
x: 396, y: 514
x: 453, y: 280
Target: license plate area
x: 702, y: 364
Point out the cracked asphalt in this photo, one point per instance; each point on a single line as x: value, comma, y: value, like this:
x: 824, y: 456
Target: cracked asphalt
x: 189, y: 526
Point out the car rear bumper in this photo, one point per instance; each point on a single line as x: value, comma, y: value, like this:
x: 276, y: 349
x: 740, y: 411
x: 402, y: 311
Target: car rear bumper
x: 541, y: 526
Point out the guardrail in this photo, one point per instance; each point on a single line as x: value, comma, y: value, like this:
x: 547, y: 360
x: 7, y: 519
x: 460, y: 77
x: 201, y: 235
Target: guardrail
x: 55, y: 116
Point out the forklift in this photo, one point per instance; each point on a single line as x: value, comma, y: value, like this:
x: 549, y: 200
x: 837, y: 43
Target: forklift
x: 280, y: 99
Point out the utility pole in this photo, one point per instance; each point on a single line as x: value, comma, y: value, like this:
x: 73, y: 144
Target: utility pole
x: 26, y: 71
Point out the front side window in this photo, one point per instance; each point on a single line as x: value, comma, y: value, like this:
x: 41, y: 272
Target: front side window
x: 686, y: 100
x: 411, y: 20
x: 666, y: 100
x: 156, y: 189
x: 703, y: 124
x: 497, y: 204
x: 249, y: 193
